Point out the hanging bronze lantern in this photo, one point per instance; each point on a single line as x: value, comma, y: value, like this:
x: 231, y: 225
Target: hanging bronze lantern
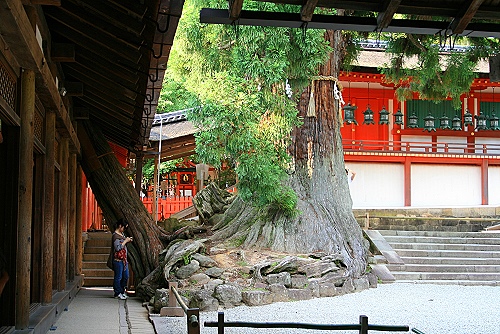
x: 384, y: 116
x: 456, y: 123
x: 413, y: 121
x: 349, y: 114
x: 368, y: 116
x: 494, y: 122
x: 429, y: 124
x: 444, y: 122
x: 481, y: 121
x: 468, y: 118
x: 398, y: 117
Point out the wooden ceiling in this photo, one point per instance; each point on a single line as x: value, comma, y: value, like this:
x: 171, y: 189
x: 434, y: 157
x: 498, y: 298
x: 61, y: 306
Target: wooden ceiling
x: 479, y: 18
x: 113, y: 55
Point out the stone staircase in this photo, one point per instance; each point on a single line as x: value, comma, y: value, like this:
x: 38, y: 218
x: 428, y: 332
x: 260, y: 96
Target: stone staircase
x: 467, y: 258
x: 95, y: 255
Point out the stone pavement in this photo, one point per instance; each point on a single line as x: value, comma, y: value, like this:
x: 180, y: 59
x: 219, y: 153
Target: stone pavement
x: 95, y: 311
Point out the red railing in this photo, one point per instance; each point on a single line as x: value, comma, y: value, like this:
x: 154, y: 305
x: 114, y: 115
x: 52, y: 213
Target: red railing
x: 168, y: 206
x: 420, y: 147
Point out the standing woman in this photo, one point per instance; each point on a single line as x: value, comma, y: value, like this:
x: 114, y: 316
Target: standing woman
x: 119, y: 259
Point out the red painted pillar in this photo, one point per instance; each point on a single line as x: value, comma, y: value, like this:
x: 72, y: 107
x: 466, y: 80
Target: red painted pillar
x: 484, y: 182
x: 407, y: 181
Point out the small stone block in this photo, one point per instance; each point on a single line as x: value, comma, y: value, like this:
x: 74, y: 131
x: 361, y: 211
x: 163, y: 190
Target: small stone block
x: 171, y: 312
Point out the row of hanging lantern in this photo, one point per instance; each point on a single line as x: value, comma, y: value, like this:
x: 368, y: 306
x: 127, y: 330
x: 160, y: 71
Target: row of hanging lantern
x: 483, y: 122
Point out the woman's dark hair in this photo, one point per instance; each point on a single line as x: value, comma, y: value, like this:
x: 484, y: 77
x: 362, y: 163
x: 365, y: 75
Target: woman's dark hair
x: 121, y: 222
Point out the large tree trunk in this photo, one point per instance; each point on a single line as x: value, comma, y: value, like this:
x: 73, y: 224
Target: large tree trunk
x: 326, y: 222
x: 117, y: 198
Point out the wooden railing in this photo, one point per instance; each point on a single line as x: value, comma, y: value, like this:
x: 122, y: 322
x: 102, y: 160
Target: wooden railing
x: 420, y: 147
x: 168, y: 206
x: 362, y: 328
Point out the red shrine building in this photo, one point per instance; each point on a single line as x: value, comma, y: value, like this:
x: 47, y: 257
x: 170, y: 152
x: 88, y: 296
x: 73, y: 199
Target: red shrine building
x: 419, y: 153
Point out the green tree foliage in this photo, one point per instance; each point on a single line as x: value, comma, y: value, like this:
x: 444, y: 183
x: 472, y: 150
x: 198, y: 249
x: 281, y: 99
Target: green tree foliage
x: 418, y: 65
x: 240, y: 76
x: 174, y: 96
x: 165, y: 167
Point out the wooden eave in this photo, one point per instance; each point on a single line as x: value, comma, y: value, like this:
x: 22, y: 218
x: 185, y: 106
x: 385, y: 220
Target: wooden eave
x: 121, y: 48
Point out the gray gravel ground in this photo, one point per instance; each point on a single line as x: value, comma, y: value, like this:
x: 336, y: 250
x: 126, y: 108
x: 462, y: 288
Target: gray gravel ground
x: 433, y: 309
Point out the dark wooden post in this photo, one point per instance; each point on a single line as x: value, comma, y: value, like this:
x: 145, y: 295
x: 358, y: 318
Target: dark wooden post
x: 220, y: 323
x: 193, y: 320
x: 72, y: 217
x: 63, y: 214
x: 48, y: 219
x: 25, y: 199
x: 138, y: 172
x: 78, y: 232
x: 363, y: 321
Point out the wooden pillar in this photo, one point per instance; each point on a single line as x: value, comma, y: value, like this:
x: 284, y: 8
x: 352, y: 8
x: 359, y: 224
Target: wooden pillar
x: 48, y: 219
x: 25, y: 199
x: 407, y: 182
x: 63, y: 214
x: 138, y: 172
x: 484, y: 182
x: 79, y: 218
x: 72, y: 217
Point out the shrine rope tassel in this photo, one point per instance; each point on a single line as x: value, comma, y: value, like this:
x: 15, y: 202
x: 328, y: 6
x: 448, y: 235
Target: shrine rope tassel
x: 337, y: 93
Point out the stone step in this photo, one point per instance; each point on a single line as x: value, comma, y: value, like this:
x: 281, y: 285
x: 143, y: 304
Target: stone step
x: 97, y: 281
x: 451, y: 260
x: 98, y: 272
x: 444, y: 268
x: 452, y: 282
x: 98, y: 243
x: 94, y: 265
x: 97, y: 250
x: 441, y: 240
x: 99, y: 235
x: 446, y: 253
x: 440, y: 234
x: 445, y: 276
x: 435, y: 246
x: 96, y: 257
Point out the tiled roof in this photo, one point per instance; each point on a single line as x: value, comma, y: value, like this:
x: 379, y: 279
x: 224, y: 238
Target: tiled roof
x: 377, y: 58
x: 174, y: 125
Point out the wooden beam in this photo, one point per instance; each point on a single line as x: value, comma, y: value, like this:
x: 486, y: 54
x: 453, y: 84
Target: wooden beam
x: 307, y: 11
x: 46, y: 2
x: 97, y: 80
x: 73, y: 88
x: 385, y: 16
x: 465, y: 15
x: 23, y: 255
x: 63, y: 52
x: 180, y: 155
x: 88, y: 37
x: 350, y: 23
x: 90, y: 19
x: 80, y: 113
x: 235, y: 7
